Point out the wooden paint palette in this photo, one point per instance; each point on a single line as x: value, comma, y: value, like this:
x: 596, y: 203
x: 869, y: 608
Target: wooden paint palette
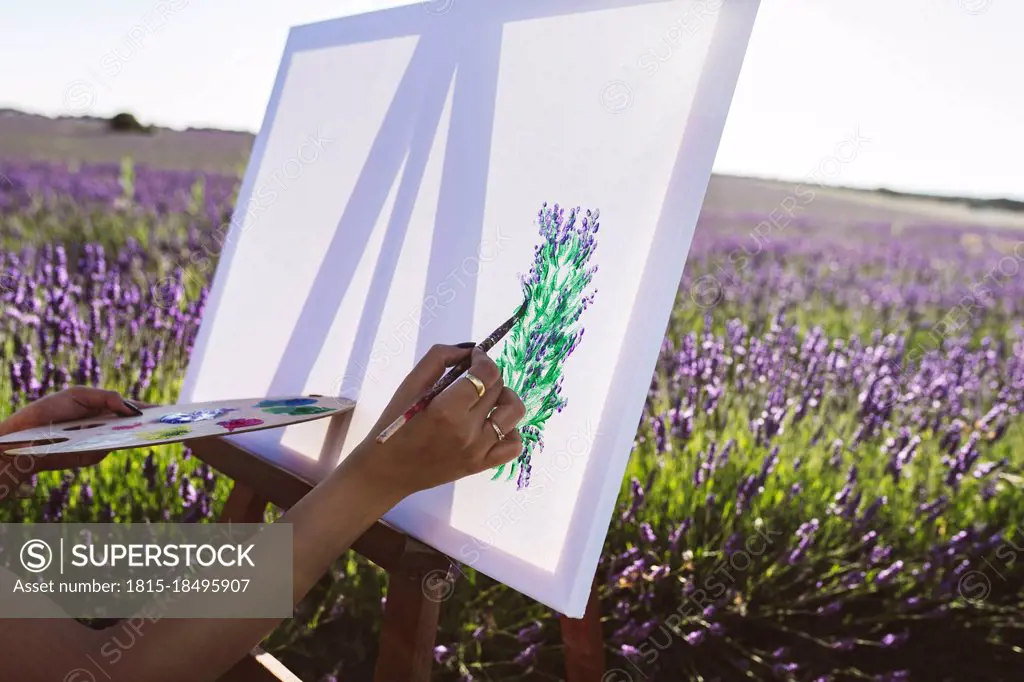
x: 172, y: 424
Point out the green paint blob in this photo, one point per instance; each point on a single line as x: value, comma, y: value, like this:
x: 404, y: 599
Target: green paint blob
x: 295, y: 411
x: 165, y: 433
x: 535, y: 351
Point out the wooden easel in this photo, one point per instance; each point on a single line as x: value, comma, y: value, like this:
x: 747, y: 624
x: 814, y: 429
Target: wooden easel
x: 410, y: 623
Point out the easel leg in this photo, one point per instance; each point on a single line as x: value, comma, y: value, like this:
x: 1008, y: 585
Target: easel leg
x: 243, y: 506
x: 409, y: 628
x: 584, y: 643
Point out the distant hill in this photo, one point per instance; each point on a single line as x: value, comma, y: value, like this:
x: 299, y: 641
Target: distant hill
x: 86, y: 139
x: 1001, y: 204
x: 89, y: 140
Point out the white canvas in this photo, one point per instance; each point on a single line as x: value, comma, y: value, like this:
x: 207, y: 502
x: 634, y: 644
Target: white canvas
x: 391, y: 203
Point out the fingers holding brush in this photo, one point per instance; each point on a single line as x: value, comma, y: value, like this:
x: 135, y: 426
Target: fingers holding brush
x: 500, y: 421
x: 479, y: 386
x: 482, y: 374
x: 504, y: 451
x: 423, y: 376
x: 501, y: 430
x: 458, y: 432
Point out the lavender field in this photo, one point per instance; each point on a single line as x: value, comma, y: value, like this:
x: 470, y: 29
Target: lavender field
x: 826, y: 483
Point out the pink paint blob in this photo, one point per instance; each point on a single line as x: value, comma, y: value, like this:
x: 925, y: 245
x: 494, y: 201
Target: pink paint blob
x: 232, y: 424
x: 125, y: 427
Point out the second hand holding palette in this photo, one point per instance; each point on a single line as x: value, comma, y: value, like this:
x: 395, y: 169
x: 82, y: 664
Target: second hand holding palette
x: 172, y: 424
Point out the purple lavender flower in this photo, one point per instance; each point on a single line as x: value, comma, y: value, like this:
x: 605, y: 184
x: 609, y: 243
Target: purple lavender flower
x: 530, y: 633
x: 442, y: 654
x: 695, y: 638
x: 86, y: 495
x: 894, y: 640
x: 785, y: 670
x: 676, y: 535
x: 895, y: 676
x: 528, y: 656
x: 149, y: 471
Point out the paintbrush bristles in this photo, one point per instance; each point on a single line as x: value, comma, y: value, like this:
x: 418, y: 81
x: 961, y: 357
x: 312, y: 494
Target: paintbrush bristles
x: 449, y: 378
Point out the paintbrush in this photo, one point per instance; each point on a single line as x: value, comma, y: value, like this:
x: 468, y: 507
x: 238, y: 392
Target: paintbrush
x: 449, y: 378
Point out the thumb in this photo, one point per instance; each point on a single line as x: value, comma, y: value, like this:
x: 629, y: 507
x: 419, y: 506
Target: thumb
x: 112, y: 400
x: 97, y: 399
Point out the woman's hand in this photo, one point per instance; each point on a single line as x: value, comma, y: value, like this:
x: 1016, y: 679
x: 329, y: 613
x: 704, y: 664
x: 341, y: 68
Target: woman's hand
x: 452, y: 437
x: 74, y: 403
x: 78, y: 402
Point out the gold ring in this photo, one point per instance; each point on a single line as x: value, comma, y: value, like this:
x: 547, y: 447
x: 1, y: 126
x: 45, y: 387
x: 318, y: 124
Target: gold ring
x: 477, y: 384
x: 497, y: 430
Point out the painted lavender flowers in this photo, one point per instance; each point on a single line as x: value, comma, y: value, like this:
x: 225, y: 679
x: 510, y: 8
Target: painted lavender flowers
x: 556, y: 291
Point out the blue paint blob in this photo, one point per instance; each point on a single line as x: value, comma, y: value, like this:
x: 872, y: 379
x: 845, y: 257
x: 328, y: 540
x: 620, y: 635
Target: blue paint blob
x: 196, y: 416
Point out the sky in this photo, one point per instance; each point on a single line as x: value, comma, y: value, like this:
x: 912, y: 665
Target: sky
x: 931, y: 88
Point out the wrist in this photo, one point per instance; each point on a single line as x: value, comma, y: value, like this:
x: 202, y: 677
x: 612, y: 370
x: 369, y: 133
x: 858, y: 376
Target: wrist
x: 366, y: 467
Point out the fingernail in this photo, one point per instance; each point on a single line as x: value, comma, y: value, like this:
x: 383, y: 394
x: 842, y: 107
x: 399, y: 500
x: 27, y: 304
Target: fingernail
x: 466, y: 344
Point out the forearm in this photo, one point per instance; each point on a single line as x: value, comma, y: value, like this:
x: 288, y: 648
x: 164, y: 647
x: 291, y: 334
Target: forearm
x: 20, y: 421
x: 9, y: 425
x: 324, y: 525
